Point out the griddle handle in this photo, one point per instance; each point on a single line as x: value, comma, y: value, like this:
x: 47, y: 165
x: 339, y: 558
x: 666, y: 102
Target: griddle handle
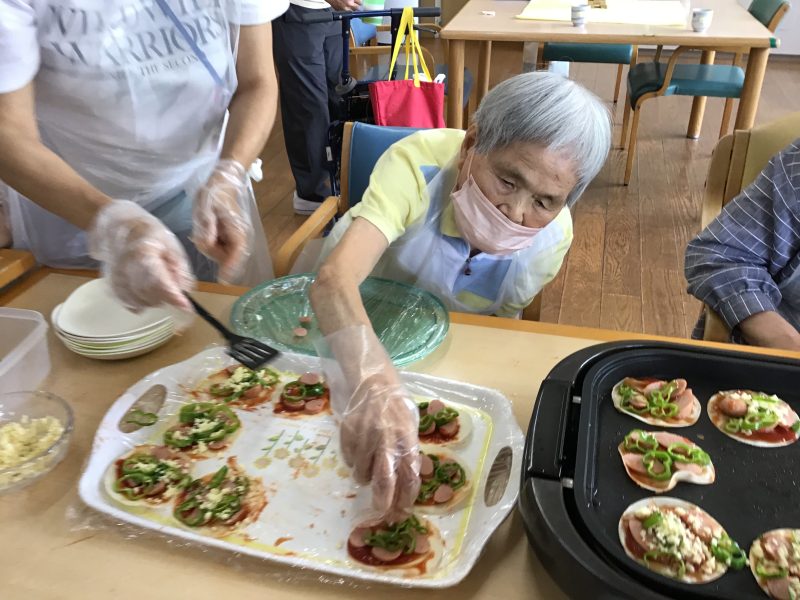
x: 547, y: 430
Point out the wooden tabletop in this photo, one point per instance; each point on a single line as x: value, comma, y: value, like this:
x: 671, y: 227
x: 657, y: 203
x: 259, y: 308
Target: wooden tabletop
x: 732, y: 26
x: 53, y: 547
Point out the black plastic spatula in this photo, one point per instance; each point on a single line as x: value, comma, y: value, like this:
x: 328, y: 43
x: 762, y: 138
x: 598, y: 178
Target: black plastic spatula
x: 249, y: 352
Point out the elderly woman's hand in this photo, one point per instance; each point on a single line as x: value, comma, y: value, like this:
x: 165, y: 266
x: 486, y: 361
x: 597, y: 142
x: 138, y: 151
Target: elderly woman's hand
x: 142, y: 259
x: 380, y: 423
x: 221, y: 219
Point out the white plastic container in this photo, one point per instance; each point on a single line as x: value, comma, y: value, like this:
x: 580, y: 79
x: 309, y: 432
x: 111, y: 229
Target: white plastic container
x: 24, y: 356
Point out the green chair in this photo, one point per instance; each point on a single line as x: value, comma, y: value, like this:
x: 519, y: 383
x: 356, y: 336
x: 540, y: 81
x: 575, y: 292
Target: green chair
x: 652, y: 79
x: 607, y: 54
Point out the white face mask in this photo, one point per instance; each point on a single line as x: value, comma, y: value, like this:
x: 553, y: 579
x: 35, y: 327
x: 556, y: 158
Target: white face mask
x: 483, y: 225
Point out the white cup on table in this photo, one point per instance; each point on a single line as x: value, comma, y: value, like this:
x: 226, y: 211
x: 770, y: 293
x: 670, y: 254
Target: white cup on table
x: 701, y: 19
x: 579, y: 12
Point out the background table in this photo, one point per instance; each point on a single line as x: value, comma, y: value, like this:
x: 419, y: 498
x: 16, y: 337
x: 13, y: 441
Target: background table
x: 46, y: 554
x: 732, y: 28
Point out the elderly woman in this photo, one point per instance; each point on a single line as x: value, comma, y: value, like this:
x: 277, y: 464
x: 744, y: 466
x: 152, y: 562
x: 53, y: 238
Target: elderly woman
x: 480, y: 218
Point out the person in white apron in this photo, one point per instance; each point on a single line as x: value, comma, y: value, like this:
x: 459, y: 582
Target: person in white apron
x: 481, y: 219
x: 125, y: 130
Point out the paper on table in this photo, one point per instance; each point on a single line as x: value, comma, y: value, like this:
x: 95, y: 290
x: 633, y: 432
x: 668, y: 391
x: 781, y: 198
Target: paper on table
x: 632, y: 12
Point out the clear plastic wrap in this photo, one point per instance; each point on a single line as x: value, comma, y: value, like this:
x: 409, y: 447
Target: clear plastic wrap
x: 409, y: 322
x: 312, y: 502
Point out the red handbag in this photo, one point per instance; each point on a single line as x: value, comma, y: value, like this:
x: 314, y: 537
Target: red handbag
x: 408, y: 102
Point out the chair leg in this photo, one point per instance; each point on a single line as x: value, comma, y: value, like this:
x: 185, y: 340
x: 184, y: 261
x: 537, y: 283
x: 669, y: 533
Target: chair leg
x: 632, y: 146
x: 540, y: 64
x: 619, y: 80
x: 726, y: 117
x: 623, y: 138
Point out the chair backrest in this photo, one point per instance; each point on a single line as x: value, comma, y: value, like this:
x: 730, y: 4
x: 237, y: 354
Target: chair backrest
x: 361, y: 33
x: 739, y: 157
x: 769, y: 12
x: 362, y: 146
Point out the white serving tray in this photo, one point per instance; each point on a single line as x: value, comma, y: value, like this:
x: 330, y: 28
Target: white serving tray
x: 312, y: 503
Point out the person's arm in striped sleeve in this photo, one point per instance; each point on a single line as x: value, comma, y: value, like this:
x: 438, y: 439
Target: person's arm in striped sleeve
x: 733, y: 265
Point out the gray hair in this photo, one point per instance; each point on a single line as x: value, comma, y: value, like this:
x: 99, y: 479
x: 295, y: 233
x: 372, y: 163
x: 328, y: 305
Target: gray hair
x: 550, y: 110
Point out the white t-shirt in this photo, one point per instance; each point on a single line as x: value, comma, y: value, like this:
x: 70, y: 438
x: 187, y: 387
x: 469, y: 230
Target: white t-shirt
x: 131, y: 93
x: 310, y: 3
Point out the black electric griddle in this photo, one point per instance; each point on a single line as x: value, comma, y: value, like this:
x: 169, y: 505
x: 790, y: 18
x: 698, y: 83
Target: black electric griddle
x: 574, y: 487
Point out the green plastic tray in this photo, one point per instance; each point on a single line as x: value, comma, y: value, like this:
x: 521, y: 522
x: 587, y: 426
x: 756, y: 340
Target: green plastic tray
x: 410, y: 322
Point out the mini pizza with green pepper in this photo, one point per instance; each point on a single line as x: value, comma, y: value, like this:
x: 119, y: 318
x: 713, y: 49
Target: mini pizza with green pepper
x: 148, y: 474
x: 659, y: 460
x: 442, y: 424
x: 203, y: 428
x: 307, y: 395
x: 775, y: 563
x: 412, y: 543
x: 221, y: 503
x: 444, y: 484
x: 239, y: 386
x: 754, y: 418
x: 657, y: 402
x: 679, y: 540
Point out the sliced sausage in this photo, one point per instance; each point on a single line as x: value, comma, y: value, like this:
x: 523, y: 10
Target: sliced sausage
x: 772, y: 545
x: 701, y: 525
x: 779, y: 588
x: 638, y: 533
x: 689, y: 467
x: 664, y: 438
x: 429, y: 430
x: 254, y: 392
x: 634, y: 462
x: 450, y: 429
x: 305, y: 320
x: 637, y: 384
x: 638, y: 401
x: 422, y: 546
x: 161, y: 453
x: 293, y: 406
x: 733, y: 407
x: 425, y: 466
x: 313, y: 407
x: 236, y: 517
x: 435, y: 406
x: 685, y: 402
x: 653, y: 387
x: 357, y: 538
x: 385, y: 555
x: 682, y: 385
x: 310, y: 378
x: 300, y: 332
x: 232, y: 369
x: 155, y: 489
x: 218, y: 445
x: 444, y: 493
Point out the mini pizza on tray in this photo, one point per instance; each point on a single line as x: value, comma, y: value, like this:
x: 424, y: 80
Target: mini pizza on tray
x: 679, y: 540
x: 221, y: 503
x: 148, y: 475
x: 445, y: 481
x: 442, y: 424
x: 659, y: 460
x: 775, y: 563
x: 754, y: 418
x: 657, y: 402
x: 238, y: 386
x: 203, y: 429
x: 410, y: 545
x: 306, y: 396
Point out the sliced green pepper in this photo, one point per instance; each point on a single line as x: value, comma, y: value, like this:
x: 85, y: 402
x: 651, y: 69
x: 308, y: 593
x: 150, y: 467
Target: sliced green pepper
x: 771, y: 571
x: 445, y: 416
x: 425, y: 422
x: 650, y: 459
x: 218, y: 478
x: 140, y: 417
x: 653, y: 520
x: 656, y: 555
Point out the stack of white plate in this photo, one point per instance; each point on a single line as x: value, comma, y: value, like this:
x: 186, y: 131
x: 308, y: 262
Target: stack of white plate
x: 93, y: 323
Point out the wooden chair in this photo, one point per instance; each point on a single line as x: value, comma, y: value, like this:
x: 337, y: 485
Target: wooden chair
x: 362, y: 146
x: 737, y: 160
x: 14, y: 264
x: 653, y: 79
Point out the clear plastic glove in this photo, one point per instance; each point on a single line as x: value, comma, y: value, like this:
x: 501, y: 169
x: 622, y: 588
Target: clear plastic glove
x: 380, y: 423
x: 144, y: 262
x: 221, y: 219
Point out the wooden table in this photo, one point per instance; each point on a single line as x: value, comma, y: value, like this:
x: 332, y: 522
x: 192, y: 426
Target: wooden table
x: 732, y: 27
x: 52, y: 548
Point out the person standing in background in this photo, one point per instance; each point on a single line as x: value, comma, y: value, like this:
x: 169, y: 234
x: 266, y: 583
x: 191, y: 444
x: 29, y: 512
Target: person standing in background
x: 308, y: 57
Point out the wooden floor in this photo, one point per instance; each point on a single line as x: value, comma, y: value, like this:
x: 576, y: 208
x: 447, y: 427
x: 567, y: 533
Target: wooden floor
x: 625, y: 268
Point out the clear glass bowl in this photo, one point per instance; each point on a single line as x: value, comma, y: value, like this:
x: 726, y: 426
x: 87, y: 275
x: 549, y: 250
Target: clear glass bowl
x: 35, y: 405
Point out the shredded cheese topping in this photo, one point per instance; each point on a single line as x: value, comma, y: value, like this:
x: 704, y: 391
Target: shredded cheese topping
x: 23, y: 440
